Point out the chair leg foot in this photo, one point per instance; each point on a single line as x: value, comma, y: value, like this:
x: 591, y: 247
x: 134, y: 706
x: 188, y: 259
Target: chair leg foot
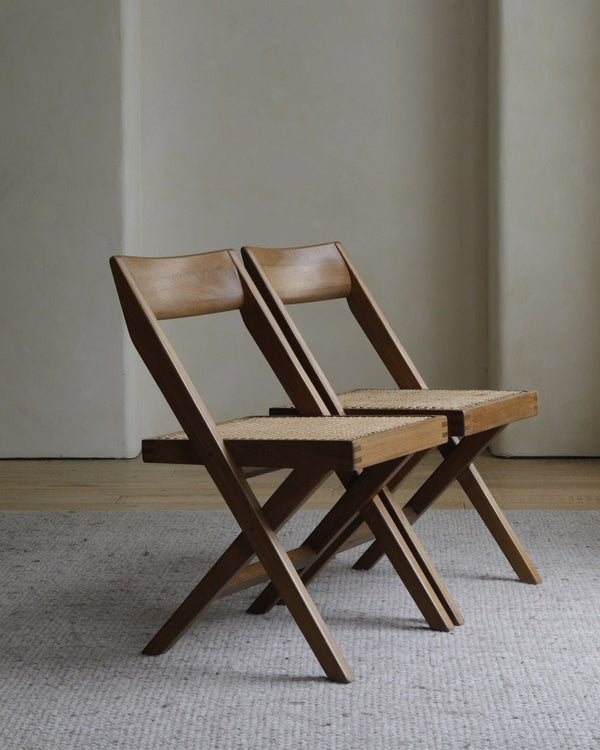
x: 407, y: 566
x: 498, y: 526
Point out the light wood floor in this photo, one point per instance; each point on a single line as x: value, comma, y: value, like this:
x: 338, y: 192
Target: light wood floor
x: 571, y: 484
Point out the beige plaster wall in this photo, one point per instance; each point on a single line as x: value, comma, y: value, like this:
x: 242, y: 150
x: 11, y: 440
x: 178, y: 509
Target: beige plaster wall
x: 299, y: 122
x: 166, y: 127
x: 545, y: 226
x: 61, y: 344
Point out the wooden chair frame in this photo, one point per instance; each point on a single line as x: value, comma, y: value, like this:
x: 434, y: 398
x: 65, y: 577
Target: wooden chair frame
x: 151, y: 289
x: 304, y: 274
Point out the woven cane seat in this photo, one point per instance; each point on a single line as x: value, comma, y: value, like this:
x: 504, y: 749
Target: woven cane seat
x: 341, y: 443
x: 421, y: 399
x: 467, y: 411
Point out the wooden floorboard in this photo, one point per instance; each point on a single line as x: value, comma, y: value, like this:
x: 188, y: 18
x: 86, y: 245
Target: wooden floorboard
x: 129, y: 484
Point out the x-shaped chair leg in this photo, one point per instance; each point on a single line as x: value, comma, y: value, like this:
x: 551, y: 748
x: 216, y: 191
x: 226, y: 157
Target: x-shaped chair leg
x: 491, y: 514
x: 280, y: 507
x: 457, y: 464
x: 356, y: 506
x: 258, y: 538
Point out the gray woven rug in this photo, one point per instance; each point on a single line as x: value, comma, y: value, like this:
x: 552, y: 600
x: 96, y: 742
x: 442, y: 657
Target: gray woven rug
x: 81, y: 593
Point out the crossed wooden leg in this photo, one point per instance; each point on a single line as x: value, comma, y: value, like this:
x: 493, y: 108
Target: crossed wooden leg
x: 457, y: 464
x: 224, y: 576
x: 258, y: 538
x: 336, y: 531
x: 232, y: 571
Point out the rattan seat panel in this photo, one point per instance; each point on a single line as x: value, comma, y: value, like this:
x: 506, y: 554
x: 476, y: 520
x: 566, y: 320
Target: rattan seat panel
x: 303, y: 428
x: 338, y: 443
x: 434, y: 400
x: 467, y: 411
x: 319, y: 429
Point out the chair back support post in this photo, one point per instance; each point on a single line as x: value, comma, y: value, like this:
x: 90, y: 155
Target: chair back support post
x: 154, y: 348
x: 278, y: 350
x: 373, y: 322
x: 175, y: 384
x: 254, y: 260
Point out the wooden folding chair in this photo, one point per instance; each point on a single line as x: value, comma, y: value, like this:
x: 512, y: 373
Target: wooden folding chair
x: 365, y: 451
x: 320, y: 272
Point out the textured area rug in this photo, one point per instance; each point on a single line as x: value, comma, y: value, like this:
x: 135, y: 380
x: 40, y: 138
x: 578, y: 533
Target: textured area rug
x: 81, y: 594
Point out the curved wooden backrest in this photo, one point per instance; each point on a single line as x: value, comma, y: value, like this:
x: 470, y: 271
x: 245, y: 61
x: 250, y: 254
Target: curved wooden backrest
x: 304, y: 274
x: 187, y: 285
